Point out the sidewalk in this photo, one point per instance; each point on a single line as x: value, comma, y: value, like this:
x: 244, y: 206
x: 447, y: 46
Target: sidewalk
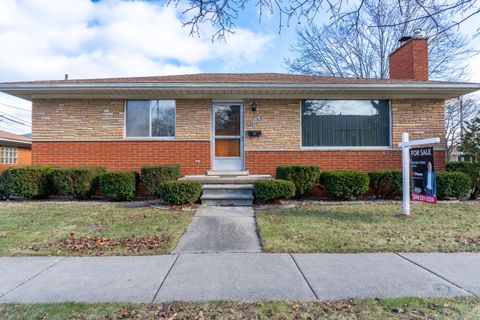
x: 221, y: 229
x: 237, y: 276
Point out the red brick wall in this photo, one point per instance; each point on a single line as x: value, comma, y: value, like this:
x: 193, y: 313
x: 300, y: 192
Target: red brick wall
x: 24, y: 157
x: 192, y: 156
x: 410, y: 61
x: 265, y: 162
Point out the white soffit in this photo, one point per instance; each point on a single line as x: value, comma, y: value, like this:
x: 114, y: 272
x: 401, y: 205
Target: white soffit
x: 432, y: 90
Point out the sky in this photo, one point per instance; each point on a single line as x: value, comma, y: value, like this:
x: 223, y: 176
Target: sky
x: 46, y: 39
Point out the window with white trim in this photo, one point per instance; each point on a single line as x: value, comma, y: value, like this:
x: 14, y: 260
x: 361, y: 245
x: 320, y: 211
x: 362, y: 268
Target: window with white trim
x: 9, y: 155
x: 345, y: 123
x: 150, y: 119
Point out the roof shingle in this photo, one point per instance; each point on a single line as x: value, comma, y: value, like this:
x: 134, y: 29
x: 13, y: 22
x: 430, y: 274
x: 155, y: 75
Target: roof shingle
x: 5, y: 135
x: 270, y: 78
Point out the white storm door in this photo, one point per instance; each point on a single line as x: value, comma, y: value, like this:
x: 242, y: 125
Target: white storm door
x: 227, y: 144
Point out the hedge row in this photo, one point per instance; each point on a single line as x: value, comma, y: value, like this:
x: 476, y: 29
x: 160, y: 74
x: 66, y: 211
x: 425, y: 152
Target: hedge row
x: 304, y: 177
x: 470, y: 169
x: 344, y: 184
x: 33, y: 182
x: 348, y: 185
x: 386, y: 184
x: 80, y: 183
x: 453, y: 185
x: 270, y: 190
x: 37, y: 182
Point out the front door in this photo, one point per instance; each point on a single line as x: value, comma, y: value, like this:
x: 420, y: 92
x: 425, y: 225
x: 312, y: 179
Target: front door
x: 227, y: 144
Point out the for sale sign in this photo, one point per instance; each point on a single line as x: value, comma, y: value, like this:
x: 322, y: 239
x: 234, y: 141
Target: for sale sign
x: 424, y: 186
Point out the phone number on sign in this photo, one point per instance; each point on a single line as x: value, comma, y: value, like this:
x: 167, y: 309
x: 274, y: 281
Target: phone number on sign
x: 424, y: 198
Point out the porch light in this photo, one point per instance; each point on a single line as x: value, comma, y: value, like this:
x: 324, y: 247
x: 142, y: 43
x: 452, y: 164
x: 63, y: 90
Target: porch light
x: 254, y: 106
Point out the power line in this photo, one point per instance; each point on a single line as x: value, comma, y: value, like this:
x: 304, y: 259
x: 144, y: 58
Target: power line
x: 15, y: 117
x: 11, y: 126
x: 10, y: 106
x: 13, y: 120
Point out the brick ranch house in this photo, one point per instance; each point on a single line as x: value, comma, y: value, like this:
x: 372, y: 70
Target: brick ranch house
x: 237, y: 122
x: 14, y: 150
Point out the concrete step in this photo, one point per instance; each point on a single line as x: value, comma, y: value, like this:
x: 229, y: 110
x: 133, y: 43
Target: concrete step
x: 228, y: 187
x: 218, y: 189
x: 227, y: 173
x: 227, y: 202
x: 227, y: 195
x: 203, y: 179
x: 216, y: 192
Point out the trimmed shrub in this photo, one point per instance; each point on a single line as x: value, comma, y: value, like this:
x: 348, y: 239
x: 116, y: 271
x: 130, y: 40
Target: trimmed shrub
x: 117, y: 185
x: 453, y: 185
x: 268, y: 190
x: 31, y: 182
x: 472, y: 170
x: 80, y: 183
x: 386, y: 184
x: 304, y: 177
x: 3, y: 189
x: 152, y: 176
x: 177, y: 192
x: 344, y: 184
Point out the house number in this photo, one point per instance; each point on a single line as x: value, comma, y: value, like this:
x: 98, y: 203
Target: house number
x: 254, y: 121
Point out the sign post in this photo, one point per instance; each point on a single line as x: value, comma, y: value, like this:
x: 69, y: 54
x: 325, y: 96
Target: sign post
x: 406, y: 175
x: 405, y: 145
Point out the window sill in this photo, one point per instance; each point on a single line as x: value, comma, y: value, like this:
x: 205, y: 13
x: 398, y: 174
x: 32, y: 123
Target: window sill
x: 345, y: 148
x: 149, y: 139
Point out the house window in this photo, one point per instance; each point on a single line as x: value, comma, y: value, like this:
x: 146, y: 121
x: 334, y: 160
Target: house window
x: 150, y: 119
x: 345, y: 123
x: 9, y: 155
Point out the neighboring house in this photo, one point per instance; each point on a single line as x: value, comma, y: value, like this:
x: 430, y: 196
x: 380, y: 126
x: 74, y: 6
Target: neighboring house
x: 14, y: 150
x: 251, y: 122
x: 457, y: 155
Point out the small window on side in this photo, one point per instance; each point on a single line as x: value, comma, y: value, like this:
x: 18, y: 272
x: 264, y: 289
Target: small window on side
x: 9, y: 155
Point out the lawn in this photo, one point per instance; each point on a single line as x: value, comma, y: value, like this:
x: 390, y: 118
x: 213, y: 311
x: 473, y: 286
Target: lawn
x: 390, y: 308
x: 36, y: 228
x: 374, y: 227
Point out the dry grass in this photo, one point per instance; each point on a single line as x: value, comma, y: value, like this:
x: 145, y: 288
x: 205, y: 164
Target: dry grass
x: 391, y: 308
x: 35, y: 228
x: 370, y: 228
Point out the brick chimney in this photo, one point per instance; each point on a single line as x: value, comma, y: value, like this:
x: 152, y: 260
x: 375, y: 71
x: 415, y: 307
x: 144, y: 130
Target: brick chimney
x: 410, y: 60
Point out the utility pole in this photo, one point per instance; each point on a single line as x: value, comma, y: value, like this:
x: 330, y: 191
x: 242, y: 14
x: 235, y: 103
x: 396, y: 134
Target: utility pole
x: 461, y: 117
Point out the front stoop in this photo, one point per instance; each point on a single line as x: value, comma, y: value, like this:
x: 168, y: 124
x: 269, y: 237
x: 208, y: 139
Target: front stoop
x: 227, y: 173
x: 234, y: 188
x: 227, y: 195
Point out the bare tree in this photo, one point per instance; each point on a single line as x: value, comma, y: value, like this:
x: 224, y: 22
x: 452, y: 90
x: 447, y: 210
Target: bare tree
x: 223, y: 14
x: 458, y: 112
x: 359, y: 45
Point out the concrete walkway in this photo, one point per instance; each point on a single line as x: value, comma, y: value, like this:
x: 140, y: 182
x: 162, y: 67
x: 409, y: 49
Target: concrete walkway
x: 237, y: 276
x: 221, y: 229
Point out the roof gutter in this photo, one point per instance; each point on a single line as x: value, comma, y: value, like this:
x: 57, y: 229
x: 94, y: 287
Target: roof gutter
x: 15, y: 142
x: 32, y: 91
x: 230, y: 86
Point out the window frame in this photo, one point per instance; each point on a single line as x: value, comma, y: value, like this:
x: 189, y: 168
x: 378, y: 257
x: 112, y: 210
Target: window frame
x: 149, y: 122
x: 390, y: 128
x: 15, y: 152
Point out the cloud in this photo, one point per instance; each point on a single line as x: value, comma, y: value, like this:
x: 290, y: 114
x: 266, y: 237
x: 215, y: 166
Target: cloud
x: 44, y: 39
